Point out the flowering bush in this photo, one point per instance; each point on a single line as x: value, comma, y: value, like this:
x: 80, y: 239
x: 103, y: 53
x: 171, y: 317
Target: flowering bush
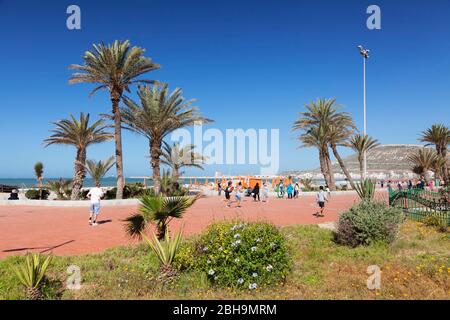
x: 242, y: 255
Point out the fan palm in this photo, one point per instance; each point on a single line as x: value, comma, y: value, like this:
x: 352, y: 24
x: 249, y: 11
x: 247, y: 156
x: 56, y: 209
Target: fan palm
x: 115, y: 68
x: 97, y: 170
x: 177, y: 157
x: 324, y: 118
x: 422, y: 161
x: 439, y: 136
x: 158, y: 114
x: 39, y: 173
x: 362, y: 144
x: 158, y: 210
x: 80, y: 134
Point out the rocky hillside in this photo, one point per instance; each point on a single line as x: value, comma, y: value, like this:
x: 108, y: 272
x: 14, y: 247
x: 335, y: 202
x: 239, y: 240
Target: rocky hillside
x: 385, y: 161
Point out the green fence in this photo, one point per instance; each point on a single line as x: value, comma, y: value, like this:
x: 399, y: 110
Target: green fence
x: 419, y: 203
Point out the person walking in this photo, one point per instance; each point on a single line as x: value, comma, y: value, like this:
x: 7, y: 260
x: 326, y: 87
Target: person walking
x: 256, y: 192
x: 296, y: 190
x: 265, y: 192
x: 290, y: 191
x: 219, y: 188
x: 238, y: 195
x: 321, y: 198
x: 94, y: 195
x: 228, y: 191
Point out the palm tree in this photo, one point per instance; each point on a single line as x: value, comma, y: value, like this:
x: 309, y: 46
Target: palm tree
x: 324, y: 119
x: 80, y: 134
x: 339, y: 135
x: 159, y: 114
x: 158, y: 210
x: 439, y: 136
x: 315, y: 137
x: 177, y: 157
x: 423, y: 161
x: 39, y: 173
x: 60, y: 187
x: 115, y: 68
x: 97, y: 170
x: 362, y: 144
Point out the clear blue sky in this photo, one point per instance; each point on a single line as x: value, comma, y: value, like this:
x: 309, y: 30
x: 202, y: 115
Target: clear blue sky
x: 249, y: 64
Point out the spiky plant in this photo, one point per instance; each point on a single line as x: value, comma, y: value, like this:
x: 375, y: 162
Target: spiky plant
x: 97, y: 170
x: 159, y: 113
x: 80, y: 134
x: 31, y: 273
x: 114, y: 67
x: 439, y: 136
x: 165, y: 251
x: 307, y: 183
x: 423, y: 160
x: 365, y: 190
x: 158, y: 211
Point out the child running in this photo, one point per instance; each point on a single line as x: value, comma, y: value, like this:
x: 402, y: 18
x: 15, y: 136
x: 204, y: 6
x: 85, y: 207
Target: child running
x: 321, y: 197
x: 228, y: 191
x: 95, y: 194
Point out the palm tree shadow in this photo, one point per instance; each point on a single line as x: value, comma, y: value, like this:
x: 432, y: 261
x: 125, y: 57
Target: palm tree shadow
x: 40, y: 249
x: 104, y: 221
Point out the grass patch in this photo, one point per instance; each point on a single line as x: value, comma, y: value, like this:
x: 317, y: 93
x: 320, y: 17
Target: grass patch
x: 415, y: 266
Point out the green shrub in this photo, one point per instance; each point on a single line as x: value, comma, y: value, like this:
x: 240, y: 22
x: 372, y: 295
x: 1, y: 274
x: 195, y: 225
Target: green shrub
x: 34, y: 194
x: 130, y: 191
x: 185, y: 258
x: 433, y: 221
x: 242, y: 255
x: 368, y: 222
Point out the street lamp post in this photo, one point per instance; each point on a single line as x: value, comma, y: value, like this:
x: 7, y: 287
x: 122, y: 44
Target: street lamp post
x: 365, y: 54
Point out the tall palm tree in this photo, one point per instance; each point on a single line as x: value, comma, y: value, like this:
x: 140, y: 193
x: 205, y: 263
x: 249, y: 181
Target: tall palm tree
x: 339, y: 135
x: 324, y: 119
x: 80, y: 134
x: 439, y: 136
x: 158, y: 210
x: 115, y: 68
x: 362, y: 144
x: 177, y: 157
x: 97, y: 170
x: 423, y: 161
x: 159, y: 113
x: 39, y: 173
x: 315, y: 137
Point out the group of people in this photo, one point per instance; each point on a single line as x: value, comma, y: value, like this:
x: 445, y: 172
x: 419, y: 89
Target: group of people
x: 292, y: 190
x: 258, y: 193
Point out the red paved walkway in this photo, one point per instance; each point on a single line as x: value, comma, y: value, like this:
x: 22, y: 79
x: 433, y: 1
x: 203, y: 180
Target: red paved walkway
x: 65, y: 231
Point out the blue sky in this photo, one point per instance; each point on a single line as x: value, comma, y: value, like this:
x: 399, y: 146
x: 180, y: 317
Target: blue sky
x: 249, y: 64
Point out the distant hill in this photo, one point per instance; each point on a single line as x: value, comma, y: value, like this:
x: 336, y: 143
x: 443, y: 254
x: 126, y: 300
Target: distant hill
x: 385, y: 161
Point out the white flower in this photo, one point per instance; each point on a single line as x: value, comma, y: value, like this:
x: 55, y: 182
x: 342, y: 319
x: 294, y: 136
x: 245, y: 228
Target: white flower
x: 237, y: 235
x: 205, y: 249
x: 220, y: 248
x: 254, y: 249
x: 273, y: 245
x: 238, y: 241
x: 252, y: 286
x: 269, y: 268
x: 216, y: 277
x: 240, y: 281
x: 236, y: 260
x: 211, y: 272
x: 254, y: 275
x: 258, y: 240
x: 208, y: 262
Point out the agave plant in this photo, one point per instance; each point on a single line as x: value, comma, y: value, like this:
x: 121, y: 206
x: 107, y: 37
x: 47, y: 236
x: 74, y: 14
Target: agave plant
x: 165, y: 251
x: 158, y: 210
x: 366, y: 190
x: 307, y: 183
x: 31, y: 274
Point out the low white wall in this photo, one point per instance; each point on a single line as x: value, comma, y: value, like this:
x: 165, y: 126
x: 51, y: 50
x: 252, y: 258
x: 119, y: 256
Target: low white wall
x: 67, y: 203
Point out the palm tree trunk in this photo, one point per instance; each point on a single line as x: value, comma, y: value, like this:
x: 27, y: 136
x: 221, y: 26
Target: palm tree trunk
x: 155, y: 152
x: 332, y: 184
x: 79, y: 174
x: 175, y: 174
x: 324, y: 167
x: 342, y: 164
x: 115, y: 98
x: 361, y: 167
